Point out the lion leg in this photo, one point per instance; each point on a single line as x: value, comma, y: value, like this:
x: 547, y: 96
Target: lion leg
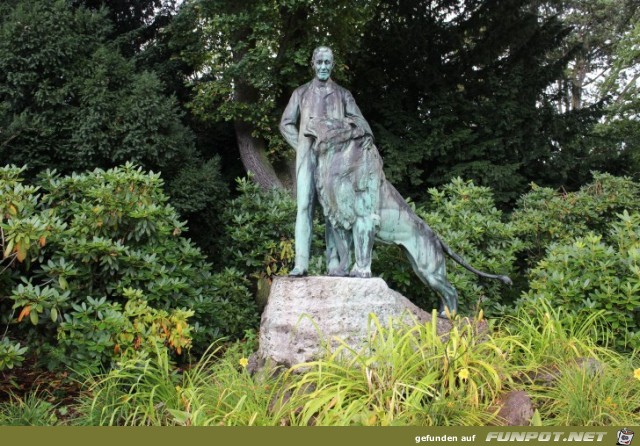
x: 438, y: 282
x: 448, y: 295
x: 428, y: 263
x: 363, y: 236
x: 338, y: 250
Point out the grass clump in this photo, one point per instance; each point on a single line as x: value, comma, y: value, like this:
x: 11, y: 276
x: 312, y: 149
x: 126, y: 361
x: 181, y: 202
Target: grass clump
x: 573, y: 376
x: 406, y: 375
x: 29, y: 410
x: 217, y: 390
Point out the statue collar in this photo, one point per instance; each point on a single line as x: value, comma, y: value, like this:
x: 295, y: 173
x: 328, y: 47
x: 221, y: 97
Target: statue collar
x: 327, y: 87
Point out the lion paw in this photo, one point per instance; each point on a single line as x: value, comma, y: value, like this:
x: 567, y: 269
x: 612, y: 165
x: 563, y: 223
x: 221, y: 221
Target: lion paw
x: 338, y: 272
x: 361, y: 273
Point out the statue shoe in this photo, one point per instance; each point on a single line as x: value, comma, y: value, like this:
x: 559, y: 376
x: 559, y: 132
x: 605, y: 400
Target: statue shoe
x: 298, y: 272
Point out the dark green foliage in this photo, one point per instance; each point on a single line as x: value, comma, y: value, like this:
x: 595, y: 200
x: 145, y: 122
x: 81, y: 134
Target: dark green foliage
x: 583, y: 248
x: 459, y: 90
x: 260, y: 236
x: 256, y: 222
x: 70, y: 100
x: 613, y: 145
x: 223, y: 307
x: 231, y: 314
x: 199, y: 193
x: 135, y: 23
x: 466, y: 218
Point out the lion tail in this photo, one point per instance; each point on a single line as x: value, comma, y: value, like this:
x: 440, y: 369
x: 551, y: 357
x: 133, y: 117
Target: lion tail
x: 459, y: 260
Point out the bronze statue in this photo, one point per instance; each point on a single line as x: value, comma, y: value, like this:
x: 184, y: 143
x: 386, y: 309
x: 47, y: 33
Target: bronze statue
x: 337, y: 159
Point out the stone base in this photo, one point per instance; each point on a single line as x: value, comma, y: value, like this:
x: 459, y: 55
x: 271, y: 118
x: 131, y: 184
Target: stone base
x: 306, y: 315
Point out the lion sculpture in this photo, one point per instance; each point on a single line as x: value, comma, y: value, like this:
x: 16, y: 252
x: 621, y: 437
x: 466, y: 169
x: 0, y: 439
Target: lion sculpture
x: 361, y: 206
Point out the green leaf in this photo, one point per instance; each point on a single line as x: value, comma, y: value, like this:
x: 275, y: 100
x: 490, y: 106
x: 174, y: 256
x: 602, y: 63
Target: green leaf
x: 180, y: 416
x: 536, y: 419
x: 54, y: 314
x: 34, y: 317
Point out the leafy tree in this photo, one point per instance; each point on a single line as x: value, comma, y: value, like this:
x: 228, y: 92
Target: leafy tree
x: 596, y: 82
x: 156, y: 34
x: 256, y: 54
x: 620, y: 129
x: 452, y: 89
x: 70, y: 100
x: 135, y: 22
x: 597, y: 29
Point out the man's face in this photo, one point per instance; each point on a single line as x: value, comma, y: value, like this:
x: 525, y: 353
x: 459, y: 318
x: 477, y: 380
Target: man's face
x: 323, y: 64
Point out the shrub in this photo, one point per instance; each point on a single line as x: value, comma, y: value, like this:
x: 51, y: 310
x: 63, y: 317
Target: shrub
x: 11, y: 353
x: 97, y: 270
x: 588, y: 273
x: 24, y: 232
x: 229, y: 314
x: 257, y: 222
x: 199, y: 193
x: 260, y: 235
x: 544, y: 216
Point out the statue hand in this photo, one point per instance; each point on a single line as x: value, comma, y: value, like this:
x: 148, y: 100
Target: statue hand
x: 367, y: 142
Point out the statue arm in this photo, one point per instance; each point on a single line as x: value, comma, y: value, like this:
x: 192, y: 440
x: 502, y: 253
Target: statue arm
x: 289, y: 120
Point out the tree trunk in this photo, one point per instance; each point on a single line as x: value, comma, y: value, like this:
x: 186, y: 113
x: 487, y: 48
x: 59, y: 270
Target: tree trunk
x: 254, y: 158
x: 253, y: 151
x: 577, y: 83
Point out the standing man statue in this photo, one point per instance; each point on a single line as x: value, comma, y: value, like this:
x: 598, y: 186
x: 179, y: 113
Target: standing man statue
x: 320, y: 98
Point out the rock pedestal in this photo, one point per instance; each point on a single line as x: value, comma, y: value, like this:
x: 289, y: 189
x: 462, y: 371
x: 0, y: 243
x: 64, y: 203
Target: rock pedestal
x: 305, y: 315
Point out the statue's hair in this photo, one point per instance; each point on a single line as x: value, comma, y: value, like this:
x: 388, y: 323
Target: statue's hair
x: 318, y: 49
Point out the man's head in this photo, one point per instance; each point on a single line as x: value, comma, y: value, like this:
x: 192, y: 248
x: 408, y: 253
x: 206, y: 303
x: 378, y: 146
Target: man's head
x: 322, y: 62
